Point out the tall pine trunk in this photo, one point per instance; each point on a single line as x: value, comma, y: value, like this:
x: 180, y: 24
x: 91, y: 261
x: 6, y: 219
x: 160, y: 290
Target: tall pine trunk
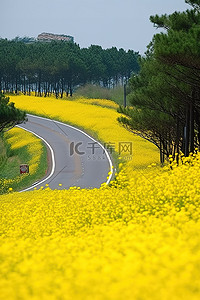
x: 187, y: 130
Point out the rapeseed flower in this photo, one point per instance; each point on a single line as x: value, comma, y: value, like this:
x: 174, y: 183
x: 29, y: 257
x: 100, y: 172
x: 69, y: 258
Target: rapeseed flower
x: 18, y: 138
x: 135, y: 239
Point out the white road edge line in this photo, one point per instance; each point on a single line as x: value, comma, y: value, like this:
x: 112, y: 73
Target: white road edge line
x: 52, y: 157
x: 106, y: 152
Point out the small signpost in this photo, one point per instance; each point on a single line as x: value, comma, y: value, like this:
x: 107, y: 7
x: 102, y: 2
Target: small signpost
x: 24, y: 168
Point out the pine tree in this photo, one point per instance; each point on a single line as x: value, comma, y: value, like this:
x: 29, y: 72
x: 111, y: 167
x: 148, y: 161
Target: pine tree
x: 166, y: 92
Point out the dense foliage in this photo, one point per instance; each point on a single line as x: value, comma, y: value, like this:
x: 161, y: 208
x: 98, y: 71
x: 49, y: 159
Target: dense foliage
x: 58, y: 67
x: 166, y: 92
x: 9, y: 114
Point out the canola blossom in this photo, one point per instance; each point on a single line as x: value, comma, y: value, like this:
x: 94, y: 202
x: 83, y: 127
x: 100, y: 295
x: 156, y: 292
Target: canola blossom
x: 17, y: 139
x: 137, y: 239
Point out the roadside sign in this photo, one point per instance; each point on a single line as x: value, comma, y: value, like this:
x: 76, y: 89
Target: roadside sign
x: 24, y: 168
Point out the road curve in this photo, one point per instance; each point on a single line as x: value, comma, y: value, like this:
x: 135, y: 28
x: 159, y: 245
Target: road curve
x: 75, y: 158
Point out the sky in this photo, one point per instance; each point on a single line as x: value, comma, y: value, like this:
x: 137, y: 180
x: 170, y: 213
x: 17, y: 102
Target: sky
x: 108, y: 23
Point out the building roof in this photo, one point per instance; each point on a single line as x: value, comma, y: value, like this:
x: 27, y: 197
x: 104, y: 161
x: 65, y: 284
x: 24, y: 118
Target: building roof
x: 54, y: 37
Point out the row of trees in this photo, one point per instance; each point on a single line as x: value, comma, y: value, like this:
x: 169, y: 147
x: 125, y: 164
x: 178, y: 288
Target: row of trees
x: 166, y: 93
x: 59, y: 67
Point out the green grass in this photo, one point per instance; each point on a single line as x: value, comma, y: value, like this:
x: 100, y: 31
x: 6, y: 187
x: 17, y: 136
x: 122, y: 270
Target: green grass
x: 115, y: 94
x: 10, y: 161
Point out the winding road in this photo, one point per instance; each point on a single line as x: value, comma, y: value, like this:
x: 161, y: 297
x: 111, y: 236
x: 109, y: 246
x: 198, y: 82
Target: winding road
x: 74, y: 158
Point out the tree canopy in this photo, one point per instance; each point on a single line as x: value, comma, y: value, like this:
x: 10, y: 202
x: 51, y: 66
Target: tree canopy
x: 60, y: 66
x: 165, y: 94
x: 9, y: 114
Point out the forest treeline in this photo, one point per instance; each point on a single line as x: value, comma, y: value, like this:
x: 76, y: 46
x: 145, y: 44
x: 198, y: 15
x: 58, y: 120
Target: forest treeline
x: 166, y: 93
x: 58, y: 67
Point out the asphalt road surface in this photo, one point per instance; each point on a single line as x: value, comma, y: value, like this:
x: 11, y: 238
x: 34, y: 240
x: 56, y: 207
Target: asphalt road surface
x: 74, y: 158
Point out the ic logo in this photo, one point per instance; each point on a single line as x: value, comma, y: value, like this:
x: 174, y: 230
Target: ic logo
x: 74, y: 148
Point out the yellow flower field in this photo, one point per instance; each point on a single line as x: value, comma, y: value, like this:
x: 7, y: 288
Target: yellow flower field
x: 137, y: 239
x: 135, y: 242
x: 17, y: 139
